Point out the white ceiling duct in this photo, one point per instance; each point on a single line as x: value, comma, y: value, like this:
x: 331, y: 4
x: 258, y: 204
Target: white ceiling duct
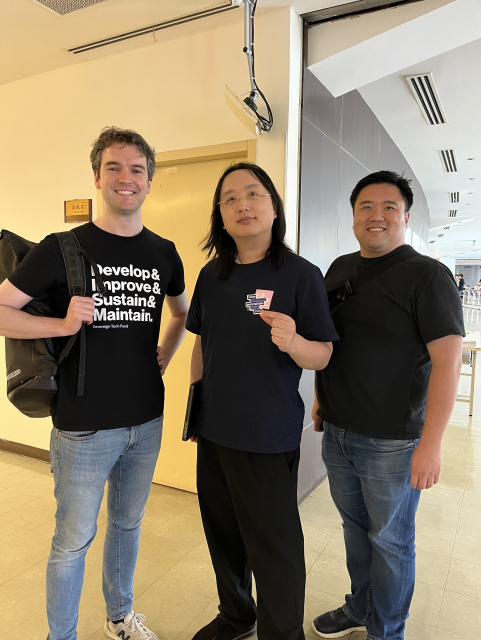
x: 448, y: 160
x: 151, y: 28
x: 426, y: 95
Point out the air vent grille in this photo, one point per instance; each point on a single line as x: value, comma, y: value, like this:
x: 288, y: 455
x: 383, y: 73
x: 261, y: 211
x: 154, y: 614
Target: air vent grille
x: 151, y: 28
x: 62, y: 7
x: 440, y: 235
x: 431, y: 241
x: 452, y: 213
x: 448, y: 160
x: 426, y: 95
x: 454, y: 196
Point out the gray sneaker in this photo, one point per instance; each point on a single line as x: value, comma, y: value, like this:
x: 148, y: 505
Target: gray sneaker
x: 132, y: 627
x: 335, y: 624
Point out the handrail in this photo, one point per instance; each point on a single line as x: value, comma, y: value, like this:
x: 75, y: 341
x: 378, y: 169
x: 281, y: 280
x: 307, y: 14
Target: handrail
x: 471, y: 299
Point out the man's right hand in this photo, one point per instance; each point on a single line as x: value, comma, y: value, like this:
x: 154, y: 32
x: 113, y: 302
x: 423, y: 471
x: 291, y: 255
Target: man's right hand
x: 80, y: 310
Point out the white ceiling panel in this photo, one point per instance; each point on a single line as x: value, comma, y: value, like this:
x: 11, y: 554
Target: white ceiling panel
x: 35, y: 39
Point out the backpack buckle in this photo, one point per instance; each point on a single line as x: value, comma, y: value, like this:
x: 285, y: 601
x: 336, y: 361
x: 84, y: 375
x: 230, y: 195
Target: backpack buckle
x: 345, y: 290
x: 77, y: 290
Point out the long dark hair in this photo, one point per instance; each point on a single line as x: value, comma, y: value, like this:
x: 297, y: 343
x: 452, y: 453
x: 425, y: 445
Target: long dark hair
x: 221, y: 246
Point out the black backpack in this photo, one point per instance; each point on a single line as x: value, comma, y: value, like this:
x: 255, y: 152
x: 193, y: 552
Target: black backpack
x: 32, y: 365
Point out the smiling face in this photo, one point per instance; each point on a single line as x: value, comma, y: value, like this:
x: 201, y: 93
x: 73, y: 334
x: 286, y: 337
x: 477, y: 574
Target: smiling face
x: 123, y: 180
x: 246, y: 219
x: 380, y: 219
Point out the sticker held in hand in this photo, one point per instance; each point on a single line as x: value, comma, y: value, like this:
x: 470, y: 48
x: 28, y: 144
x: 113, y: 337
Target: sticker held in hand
x: 259, y: 301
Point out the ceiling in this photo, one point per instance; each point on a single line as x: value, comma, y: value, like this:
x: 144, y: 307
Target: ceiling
x: 374, y: 53
x: 35, y: 39
x: 457, y: 76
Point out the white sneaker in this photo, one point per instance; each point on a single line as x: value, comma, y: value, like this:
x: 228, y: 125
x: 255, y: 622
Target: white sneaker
x: 132, y: 628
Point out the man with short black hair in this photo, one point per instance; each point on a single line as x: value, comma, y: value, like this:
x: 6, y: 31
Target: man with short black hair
x: 112, y: 433
x: 384, y: 402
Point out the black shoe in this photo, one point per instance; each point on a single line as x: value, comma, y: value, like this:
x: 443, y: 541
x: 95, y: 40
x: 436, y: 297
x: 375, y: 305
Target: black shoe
x: 335, y: 624
x: 220, y: 630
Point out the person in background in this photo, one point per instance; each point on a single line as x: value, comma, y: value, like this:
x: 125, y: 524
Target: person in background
x: 260, y: 316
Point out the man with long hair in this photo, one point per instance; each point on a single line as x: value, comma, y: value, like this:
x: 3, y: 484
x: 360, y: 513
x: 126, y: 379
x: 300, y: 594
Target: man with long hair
x: 261, y: 316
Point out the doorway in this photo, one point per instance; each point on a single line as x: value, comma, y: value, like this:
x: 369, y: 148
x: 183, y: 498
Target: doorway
x: 179, y: 208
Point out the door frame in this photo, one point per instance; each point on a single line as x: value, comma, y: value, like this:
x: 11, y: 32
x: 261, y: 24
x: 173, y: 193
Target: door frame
x: 244, y: 149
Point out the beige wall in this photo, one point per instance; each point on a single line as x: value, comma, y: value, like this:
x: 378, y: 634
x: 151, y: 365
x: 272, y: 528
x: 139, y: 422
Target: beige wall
x: 173, y: 93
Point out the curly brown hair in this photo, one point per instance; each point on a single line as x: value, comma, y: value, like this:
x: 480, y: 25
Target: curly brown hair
x: 114, y: 135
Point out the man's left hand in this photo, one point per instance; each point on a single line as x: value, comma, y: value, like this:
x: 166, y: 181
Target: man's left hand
x: 161, y: 360
x: 283, y: 329
x: 426, y: 466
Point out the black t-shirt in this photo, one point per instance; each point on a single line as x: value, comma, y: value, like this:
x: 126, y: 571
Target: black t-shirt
x: 376, y: 381
x: 123, y: 385
x: 250, y: 398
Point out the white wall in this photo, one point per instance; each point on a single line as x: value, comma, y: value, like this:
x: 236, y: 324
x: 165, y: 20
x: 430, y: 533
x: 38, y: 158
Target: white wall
x: 173, y: 94
x: 450, y: 263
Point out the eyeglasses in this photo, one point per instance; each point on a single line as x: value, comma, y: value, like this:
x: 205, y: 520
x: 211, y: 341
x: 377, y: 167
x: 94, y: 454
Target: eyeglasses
x: 251, y: 198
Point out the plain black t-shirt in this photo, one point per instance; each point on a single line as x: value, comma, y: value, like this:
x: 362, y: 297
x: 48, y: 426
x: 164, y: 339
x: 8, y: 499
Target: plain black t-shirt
x: 250, y: 399
x: 123, y: 385
x: 376, y: 381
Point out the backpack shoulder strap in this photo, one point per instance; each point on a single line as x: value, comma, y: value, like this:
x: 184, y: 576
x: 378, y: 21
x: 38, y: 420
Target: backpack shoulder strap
x: 74, y: 263
x: 349, y: 287
x: 73, y: 256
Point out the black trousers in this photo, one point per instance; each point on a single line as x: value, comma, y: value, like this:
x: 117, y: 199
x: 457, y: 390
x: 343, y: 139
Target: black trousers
x: 248, y: 503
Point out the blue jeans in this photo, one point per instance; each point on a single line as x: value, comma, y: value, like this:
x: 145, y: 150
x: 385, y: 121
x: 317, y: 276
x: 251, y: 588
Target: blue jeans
x: 369, y: 480
x: 82, y: 462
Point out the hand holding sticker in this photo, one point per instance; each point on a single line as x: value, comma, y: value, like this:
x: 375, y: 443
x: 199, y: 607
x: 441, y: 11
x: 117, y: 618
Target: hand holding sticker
x: 283, y: 329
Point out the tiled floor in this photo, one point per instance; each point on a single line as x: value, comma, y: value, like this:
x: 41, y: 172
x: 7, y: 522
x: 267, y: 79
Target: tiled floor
x: 175, y: 586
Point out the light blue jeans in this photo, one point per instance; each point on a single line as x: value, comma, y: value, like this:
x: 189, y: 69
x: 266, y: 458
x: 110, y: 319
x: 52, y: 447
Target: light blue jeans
x: 369, y: 480
x: 82, y: 462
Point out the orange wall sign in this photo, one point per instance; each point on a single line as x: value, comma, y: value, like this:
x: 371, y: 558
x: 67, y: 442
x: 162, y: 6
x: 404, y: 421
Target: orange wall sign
x: 78, y: 210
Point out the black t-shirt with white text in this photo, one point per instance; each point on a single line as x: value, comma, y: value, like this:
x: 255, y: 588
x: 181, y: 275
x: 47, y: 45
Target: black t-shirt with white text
x: 376, y: 381
x: 250, y: 399
x: 123, y: 385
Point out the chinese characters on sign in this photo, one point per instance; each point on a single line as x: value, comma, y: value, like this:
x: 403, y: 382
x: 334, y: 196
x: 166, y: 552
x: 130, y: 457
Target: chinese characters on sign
x: 78, y: 210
